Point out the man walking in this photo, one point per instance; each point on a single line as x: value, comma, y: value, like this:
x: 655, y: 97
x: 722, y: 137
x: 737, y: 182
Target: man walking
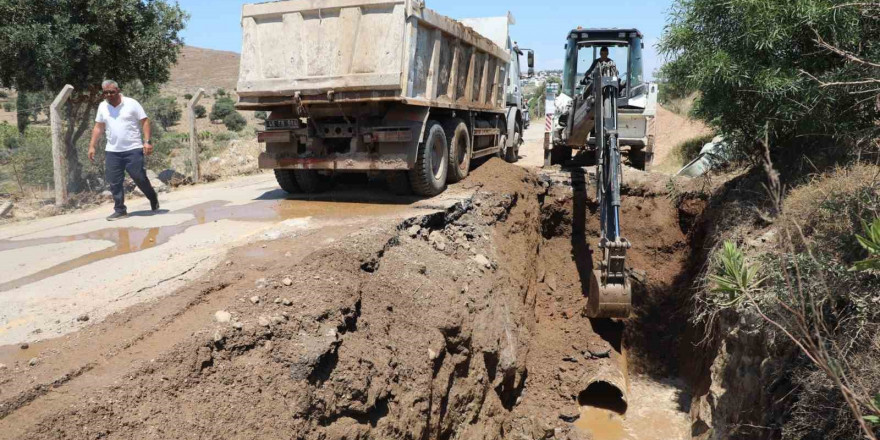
x: 124, y: 121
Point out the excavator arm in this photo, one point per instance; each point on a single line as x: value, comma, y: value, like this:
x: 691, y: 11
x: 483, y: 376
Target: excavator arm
x: 610, y: 290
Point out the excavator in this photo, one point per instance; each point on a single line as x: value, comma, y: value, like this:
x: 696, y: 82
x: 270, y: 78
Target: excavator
x: 604, y: 111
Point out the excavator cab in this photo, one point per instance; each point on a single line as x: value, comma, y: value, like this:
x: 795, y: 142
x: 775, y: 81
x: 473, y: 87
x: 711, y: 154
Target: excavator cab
x: 625, y: 47
x: 636, y: 102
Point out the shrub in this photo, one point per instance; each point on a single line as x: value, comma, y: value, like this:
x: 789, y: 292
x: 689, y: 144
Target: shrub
x: 205, y: 135
x: 220, y: 92
x: 3, y: 94
x: 188, y: 96
x: 200, y: 111
x: 235, y: 121
x: 32, y: 159
x: 690, y: 149
x: 222, y: 108
x: 9, y: 106
x: 755, y: 63
x: 164, y: 109
x: 261, y: 115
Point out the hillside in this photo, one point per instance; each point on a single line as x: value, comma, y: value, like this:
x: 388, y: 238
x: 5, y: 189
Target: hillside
x: 197, y: 67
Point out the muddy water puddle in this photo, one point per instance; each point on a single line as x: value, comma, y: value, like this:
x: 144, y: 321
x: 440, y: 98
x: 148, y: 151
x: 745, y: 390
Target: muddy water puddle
x: 127, y: 240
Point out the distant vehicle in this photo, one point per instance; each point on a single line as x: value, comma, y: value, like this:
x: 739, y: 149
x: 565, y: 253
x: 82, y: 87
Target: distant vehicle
x: 386, y: 88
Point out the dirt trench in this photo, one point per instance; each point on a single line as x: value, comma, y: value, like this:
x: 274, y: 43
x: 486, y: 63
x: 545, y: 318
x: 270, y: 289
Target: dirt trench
x: 465, y: 324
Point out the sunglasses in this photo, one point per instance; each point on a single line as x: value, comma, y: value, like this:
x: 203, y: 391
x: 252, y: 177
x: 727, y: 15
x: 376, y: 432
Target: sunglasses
x: 110, y: 93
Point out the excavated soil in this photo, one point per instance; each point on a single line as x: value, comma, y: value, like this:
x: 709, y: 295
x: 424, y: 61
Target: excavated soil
x: 465, y: 324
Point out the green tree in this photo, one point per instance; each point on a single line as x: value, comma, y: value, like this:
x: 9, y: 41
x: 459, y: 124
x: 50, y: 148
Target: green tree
x: 200, y: 111
x: 222, y: 108
x: 235, y: 121
x: 805, y: 69
x: 261, y: 115
x: 164, y: 109
x: 45, y: 44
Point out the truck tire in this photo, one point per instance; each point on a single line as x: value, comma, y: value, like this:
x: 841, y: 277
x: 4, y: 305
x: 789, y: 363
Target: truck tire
x: 460, y: 150
x: 428, y: 176
x: 512, y: 152
x: 287, y: 181
x: 311, y: 182
x: 398, y: 183
x: 560, y: 155
x: 502, y: 142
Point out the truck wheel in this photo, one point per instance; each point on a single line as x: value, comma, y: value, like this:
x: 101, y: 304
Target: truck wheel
x: 398, y: 183
x: 311, y: 182
x: 428, y: 176
x: 512, y: 152
x: 560, y: 154
x: 287, y: 181
x: 502, y: 142
x: 459, y: 150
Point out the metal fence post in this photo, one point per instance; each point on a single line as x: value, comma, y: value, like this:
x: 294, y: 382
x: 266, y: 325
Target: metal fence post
x: 193, y: 140
x: 59, y: 160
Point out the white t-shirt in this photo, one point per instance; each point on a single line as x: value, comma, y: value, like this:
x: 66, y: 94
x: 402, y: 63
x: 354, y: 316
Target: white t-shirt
x: 122, y: 124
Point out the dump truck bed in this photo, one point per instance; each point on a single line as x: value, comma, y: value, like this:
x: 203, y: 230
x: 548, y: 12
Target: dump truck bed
x: 366, y: 51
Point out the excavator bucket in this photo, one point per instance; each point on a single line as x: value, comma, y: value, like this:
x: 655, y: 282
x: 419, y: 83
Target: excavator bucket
x: 608, y: 300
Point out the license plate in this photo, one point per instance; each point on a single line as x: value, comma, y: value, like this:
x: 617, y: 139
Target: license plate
x: 282, y: 124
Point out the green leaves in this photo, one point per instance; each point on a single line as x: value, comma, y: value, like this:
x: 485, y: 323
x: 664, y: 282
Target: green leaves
x: 874, y: 419
x: 45, y: 44
x: 871, y: 243
x: 735, y: 277
x: 755, y: 61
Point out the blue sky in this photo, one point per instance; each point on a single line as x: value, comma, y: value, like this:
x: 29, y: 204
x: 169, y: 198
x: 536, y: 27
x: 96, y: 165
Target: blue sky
x: 541, y: 25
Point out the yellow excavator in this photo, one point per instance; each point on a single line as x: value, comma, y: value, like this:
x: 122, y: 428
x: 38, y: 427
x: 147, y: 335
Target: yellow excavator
x: 602, y: 110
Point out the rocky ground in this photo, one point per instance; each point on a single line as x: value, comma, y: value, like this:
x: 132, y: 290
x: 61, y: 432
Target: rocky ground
x: 464, y: 324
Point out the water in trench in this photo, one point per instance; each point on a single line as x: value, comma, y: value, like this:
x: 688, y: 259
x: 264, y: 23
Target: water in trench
x: 616, y: 403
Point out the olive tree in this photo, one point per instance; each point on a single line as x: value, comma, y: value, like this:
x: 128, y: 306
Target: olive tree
x: 45, y: 44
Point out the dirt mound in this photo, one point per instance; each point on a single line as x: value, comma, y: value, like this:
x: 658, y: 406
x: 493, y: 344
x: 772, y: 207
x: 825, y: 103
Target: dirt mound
x: 211, y: 69
x: 465, y: 323
x: 672, y: 130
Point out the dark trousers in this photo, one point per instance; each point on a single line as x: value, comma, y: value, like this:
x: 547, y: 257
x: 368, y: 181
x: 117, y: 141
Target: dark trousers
x: 116, y: 166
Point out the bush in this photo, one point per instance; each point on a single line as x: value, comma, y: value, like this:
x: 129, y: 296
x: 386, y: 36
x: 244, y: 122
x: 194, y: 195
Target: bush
x: 187, y: 96
x: 690, y: 149
x: 221, y: 92
x: 164, y: 109
x: 235, y: 121
x: 200, y: 111
x: 32, y: 159
x: 222, y: 108
x: 9, y: 106
x: 261, y: 115
x: 3, y: 95
x: 755, y: 63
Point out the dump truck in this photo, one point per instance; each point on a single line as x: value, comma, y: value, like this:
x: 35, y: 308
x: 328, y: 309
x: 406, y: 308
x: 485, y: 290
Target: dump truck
x: 384, y: 87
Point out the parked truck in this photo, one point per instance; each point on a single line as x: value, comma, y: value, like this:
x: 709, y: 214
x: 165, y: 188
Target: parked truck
x: 385, y: 87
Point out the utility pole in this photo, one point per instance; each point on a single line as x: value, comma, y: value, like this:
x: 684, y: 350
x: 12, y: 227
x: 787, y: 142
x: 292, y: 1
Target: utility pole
x: 193, y: 140
x: 59, y: 160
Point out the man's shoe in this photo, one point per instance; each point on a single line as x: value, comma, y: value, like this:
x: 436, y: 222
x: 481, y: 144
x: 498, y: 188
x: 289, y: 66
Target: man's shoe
x: 154, y: 205
x: 117, y: 216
